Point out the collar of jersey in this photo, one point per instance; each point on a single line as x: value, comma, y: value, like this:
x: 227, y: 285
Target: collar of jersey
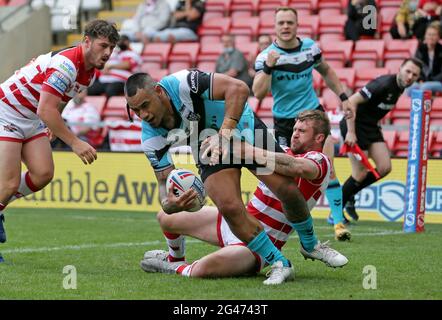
x: 295, y: 49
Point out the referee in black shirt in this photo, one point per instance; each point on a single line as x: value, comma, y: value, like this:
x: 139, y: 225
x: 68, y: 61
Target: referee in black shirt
x: 371, y: 104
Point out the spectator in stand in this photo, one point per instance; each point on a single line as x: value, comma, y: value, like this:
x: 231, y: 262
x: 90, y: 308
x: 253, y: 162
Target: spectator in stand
x: 430, y: 53
x: 77, y: 111
x: 264, y: 41
x: 354, y: 27
x: 427, y: 12
x: 184, y: 25
x: 232, y: 61
x: 402, y: 27
x: 121, y: 65
x: 151, y: 16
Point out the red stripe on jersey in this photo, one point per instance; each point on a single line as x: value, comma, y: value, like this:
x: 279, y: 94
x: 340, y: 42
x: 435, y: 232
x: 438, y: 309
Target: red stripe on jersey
x: 22, y: 100
x: 31, y: 90
x: 269, y: 201
x: 6, y: 101
x: 47, y: 88
x: 274, y: 224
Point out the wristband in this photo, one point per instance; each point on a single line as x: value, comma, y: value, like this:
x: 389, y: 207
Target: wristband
x: 267, y: 69
x: 343, y: 97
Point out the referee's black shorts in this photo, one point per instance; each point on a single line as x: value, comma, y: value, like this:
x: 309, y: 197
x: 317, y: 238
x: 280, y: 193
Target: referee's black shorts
x: 284, y: 128
x: 365, y: 133
x: 205, y: 170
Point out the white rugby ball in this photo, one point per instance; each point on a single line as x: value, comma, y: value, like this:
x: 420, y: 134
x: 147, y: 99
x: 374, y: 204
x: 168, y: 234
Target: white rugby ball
x: 183, y: 180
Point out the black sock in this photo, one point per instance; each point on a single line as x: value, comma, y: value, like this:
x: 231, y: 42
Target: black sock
x: 351, y: 186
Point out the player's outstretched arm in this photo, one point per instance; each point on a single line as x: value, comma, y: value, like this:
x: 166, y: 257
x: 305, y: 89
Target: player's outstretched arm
x: 49, y: 113
x: 332, y: 80
x: 281, y: 163
x: 169, y: 202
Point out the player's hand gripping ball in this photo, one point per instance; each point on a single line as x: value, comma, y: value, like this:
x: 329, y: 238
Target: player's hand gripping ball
x: 183, y: 180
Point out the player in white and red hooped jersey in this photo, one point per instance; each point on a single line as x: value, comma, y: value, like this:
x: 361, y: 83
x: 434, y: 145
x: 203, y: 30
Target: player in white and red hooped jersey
x: 29, y: 111
x: 122, y: 64
x: 311, y: 170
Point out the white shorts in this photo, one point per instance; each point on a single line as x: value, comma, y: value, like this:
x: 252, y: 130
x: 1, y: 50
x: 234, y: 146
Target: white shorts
x: 227, y: 238
x: 14, y: 127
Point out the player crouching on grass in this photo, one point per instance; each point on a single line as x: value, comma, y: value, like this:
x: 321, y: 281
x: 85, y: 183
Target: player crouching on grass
x: 311, y: 170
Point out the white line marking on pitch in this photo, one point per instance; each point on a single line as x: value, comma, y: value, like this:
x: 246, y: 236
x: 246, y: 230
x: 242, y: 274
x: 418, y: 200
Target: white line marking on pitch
x: 150, y: 243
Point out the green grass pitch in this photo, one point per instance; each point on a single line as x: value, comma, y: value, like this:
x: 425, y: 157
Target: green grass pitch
x: 106, y: 247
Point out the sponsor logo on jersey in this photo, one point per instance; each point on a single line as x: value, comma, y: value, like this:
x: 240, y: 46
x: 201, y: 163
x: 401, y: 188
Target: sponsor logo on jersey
x: 10, y: 128
x: 65, y: 66
x: 59, y: 81
x: 194, y: 81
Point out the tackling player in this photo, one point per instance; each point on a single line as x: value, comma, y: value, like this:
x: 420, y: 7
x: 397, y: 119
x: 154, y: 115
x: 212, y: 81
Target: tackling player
x: 29, y: 101
x: 304, y: 162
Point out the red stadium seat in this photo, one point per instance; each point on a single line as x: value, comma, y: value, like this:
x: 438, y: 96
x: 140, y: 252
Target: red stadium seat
x: 238, y: 15
x: 271, y: 4
x: 99, y: 102
x: 331, y: 37
x: 401, y: 145
x: 436, y: 144
x: 245, y: 26
x: 308, y: 26
x: 336, y: 63
x: 346, y: 75
x: 215, y: 26
x: 208, y: 66
x: 336, y: 50
x: 156, y: 52
x: 250, y: 50
x: 157, y: 75
x: 402, y: 108
x: 266, y: 103
x: 389, y: 3
x: 333, y: 24
x: 436, y: 108
x: 390, y: 138
x: 266, y: 22
x: 148, y: 66
x: 212, y: 15
x: 393, y: 65
x: 311, y: 5
x: 331, y: 101
x: 363, y: 64
x: 365, y: 75
x: 210, y: 51
x: 387, y: 16
x: 185, y: 51
x: 218, y: 6
x: 178, y: 66
x: 210, y: 39
x: 400, y: 49
x: 332, y: 4
x: 369, y: 50
x: 245, y: 5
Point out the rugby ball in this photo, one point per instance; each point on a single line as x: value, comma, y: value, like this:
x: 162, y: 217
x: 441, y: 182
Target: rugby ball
x: 183, y: 180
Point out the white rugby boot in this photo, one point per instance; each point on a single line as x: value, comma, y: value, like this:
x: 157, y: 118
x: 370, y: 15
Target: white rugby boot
x: 158, y: 254
x: 324, y: 253
x: 279, y: 274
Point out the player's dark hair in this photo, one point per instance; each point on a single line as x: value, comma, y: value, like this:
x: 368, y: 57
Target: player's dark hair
x: 137, y: 81
x: 415, y: 61
x: 320, y: 118
x: 102, y: 28
x: 287, y: 9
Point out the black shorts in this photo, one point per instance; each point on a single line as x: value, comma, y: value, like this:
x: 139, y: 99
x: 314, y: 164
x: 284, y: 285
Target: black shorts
x: 206, y: 170
x: 284, y: 128
x: 365, y: 133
